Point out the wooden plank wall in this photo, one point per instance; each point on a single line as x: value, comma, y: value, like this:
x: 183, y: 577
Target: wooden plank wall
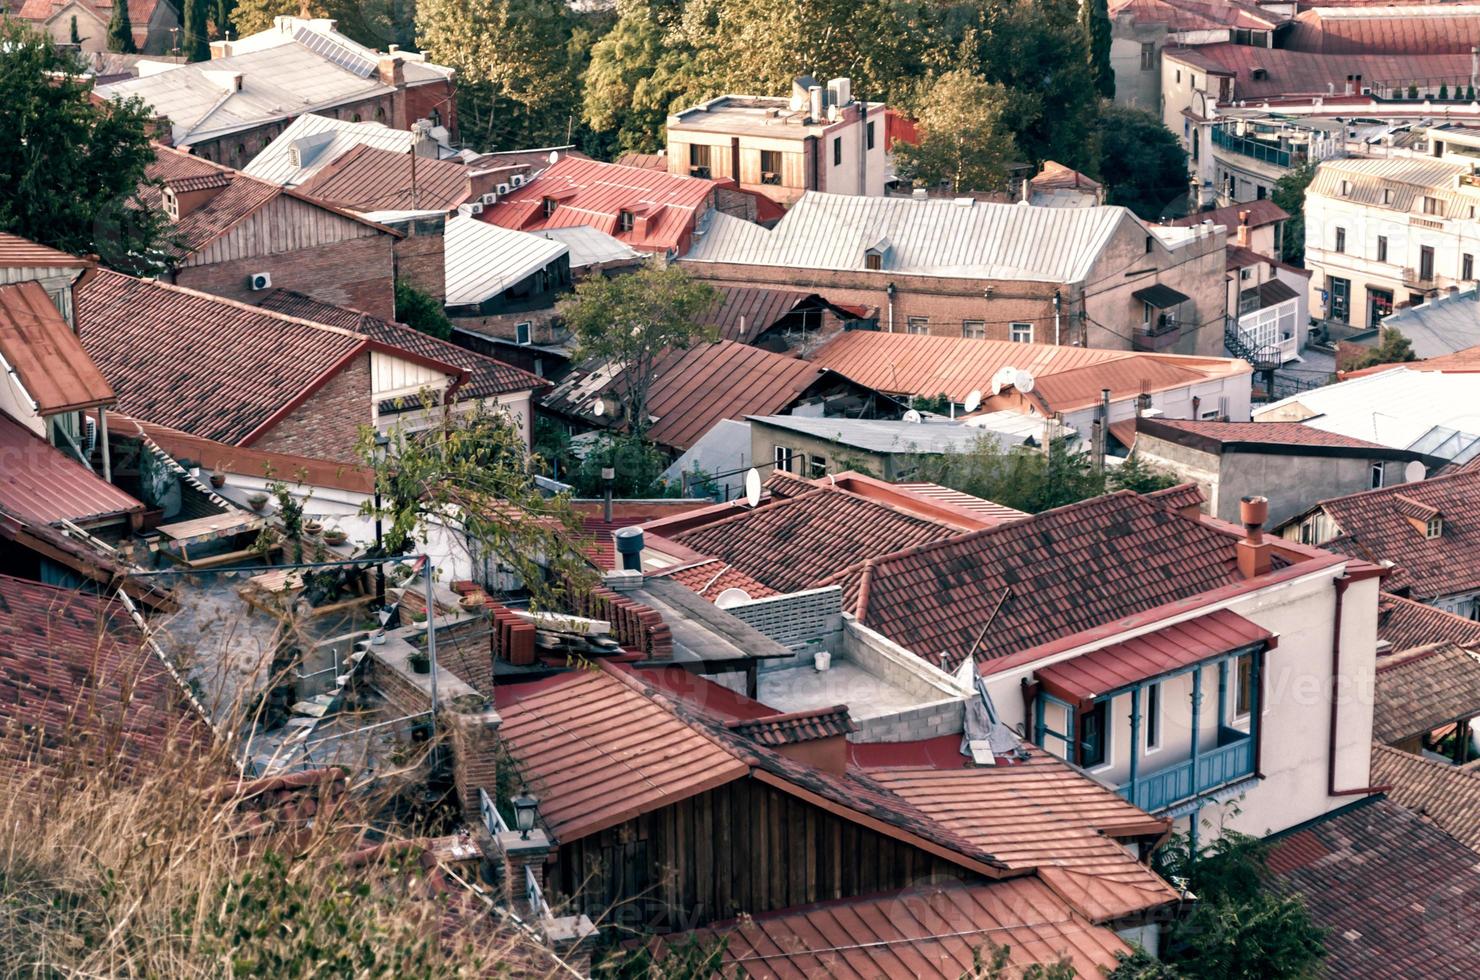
x: 744, y: 847
x: 284, y: 224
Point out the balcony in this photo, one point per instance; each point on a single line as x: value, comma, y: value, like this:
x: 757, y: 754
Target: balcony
x: 1254, y: 149
x: 1158, y: 335
x: 1230, y: 762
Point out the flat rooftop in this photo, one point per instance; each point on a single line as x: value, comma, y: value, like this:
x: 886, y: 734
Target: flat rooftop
x: 799, y: 688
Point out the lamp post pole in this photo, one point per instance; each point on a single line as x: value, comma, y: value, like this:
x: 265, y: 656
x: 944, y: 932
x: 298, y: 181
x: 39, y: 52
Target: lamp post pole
x: 381, y: 441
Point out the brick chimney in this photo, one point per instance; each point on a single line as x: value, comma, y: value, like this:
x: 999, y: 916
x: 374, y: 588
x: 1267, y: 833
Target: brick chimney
x: 1255, y: 555
x: 1243, y: 229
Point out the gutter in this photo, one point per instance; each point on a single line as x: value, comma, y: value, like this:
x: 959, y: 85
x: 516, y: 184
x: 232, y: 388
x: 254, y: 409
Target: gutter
x: 1342, y: 582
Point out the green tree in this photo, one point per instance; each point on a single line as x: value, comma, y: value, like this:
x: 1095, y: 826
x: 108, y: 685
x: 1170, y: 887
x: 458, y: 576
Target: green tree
x: 1142, y: 477
x: 1393, y: 348
x: 121, y: 29
x: 631, y: 321
x: 964, y: 139
x: 638, y: 72
x: 417, y: 309
x: 195, y: 36
x: 1141, y: 162
x: 71, y: 168
x: 1094, y: 17
x: 1289, y: 193
x: 367, y: 21
x: 1023, y: 478
x: 72, y: 34
x: 517, y: 80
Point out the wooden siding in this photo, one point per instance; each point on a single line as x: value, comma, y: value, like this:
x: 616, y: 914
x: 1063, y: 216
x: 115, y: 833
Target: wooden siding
x: 743, y: 847
x: 390, y: 376
x: 284, y: 224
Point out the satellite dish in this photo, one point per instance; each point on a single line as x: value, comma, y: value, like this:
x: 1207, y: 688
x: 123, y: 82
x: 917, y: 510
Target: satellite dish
x: 996, y: 386
x: 730, y: 598
x: 1024, y: 382
x: 1413, y: 472
x: 753, y: 487
x: 1008, y: 375
x: 599, y: 409
x: 554, y: 156
x: 973, y: 401
x: 913, y: 416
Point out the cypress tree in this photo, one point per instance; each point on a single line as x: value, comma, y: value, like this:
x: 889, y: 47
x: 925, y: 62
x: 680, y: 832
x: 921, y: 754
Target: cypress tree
x: 76, y: 38
x: 1094, y: 15
x: 196, y: 43
x: 121, y: 29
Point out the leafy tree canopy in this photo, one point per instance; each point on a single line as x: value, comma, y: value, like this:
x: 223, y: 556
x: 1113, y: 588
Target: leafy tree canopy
x: 1393, y: 349
x: 1289, y: 193
x: 1141, y: 162
x: 417, y: 309
x: 965, y: 142
x: 373, y: 23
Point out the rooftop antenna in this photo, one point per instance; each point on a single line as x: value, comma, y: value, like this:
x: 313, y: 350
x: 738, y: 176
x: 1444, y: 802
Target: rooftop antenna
x: 753, y: 487
x: 599, y: 409
x: 554, y: 157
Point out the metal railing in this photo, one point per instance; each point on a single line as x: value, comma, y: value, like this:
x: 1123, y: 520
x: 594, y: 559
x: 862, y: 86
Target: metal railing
x: 1255, y: 149
x: 1217, y: 767
x: 538, y: 907
x: 492, y: 819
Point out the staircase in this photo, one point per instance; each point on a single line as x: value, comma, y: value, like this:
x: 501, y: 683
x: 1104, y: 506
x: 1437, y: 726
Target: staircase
x: 293, y: 756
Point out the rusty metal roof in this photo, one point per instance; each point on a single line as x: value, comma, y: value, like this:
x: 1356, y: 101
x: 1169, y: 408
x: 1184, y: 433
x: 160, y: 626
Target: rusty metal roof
x: 368, y: 178
x: 1452, y: 28
x: 46, y: 356
x: 40, y: 483
x: 1167, y: 650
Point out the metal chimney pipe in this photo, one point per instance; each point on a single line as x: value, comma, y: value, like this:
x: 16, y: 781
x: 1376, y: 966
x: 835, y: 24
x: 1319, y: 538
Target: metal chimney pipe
x: 814, y: 103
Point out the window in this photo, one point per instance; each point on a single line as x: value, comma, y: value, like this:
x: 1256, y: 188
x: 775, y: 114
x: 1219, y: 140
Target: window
x: 917, y: 325
x: 1245, y: 274
x: 1179, y: 76
x: 1021, y: 333
x: 770, y: 166
x: 380, y: 113
x: 1387, y: 195
x: 355, y: 117
x: 550, y: 205
x: 1339, y: 298
x: 1434, y: 527
x: 1467, y: 267
x: 870, y: 136
x: 1243, y: 694
x: 521, y: 332
x: 1382, y: 248
x: 975, y: 329
x: 837, y: 150
x: 171, y: 203
x: 816, y: 467
x: 1425, y: 263
x: 1153, y: 717
x: 434, y: 117
x: 1148, y: 244
x: 1260, y: 191
x: 1432, y: 205
x: 624, y: 221
x: 1340, y: 245
x: 782, y: 458
x: 1148, y: 56
x: 873, y: 260
x: 1093, y: 737
x: 1376, y: 481
x: 1346, y: 188
x: 698, y: 160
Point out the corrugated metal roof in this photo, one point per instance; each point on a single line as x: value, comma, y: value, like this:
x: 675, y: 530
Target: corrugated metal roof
x: 957, y: 239
x: 590, y: 247
x: 366, y: 178
x: 18, y: 252
x: 275, y: 162
x: 46, y: 356
x: 1400, y: 29
x: 483, y: 260
x: 1441, y: 325
x: 40, y: 483
x: 889, y: 436
x: 1261, y: 212
x: 1394, y: 407
x: 1151, y: 655
x: 1306, y: 73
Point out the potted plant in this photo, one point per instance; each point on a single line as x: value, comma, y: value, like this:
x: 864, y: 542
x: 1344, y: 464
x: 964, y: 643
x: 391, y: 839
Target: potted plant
x: 421, y: 663
x: 313, y: 528
x: 472, y: 602
x: 335, y: 536
x: 378, y: 637
x: 399, y: 573
x: 218, y: 479
x: 258, y: 502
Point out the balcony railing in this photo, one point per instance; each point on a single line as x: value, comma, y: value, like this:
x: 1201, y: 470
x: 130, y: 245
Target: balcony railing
x: 1256, y: 149
x: 1229, y: 762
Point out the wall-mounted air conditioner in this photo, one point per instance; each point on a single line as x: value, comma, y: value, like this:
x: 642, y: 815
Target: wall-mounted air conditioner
x: 490, y: 198
x: 475, y: 208
x: 503, y: 188
x: 261, y: 280
x: 517, y: 180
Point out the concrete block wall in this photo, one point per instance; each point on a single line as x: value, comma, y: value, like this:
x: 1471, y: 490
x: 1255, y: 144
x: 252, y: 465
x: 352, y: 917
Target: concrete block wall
x: 802, y: 621
x: 891, y: 662
x: 926, y: 721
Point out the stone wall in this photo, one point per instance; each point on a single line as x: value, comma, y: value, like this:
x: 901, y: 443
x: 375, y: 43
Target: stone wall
x: 326, y: 425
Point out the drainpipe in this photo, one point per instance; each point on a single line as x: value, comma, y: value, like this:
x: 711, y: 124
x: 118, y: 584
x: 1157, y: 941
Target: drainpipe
x: 1057, y: 302
x: 1342, y: 584
x: 889, y: 292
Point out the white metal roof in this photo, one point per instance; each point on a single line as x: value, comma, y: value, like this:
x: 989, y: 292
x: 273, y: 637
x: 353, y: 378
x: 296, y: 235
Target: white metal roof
x: 590, y: 246
x: 483, y: 260
x: 1391, y: 408
x: 957, y: 238
x: 934, y: 435
x: 321, y: 140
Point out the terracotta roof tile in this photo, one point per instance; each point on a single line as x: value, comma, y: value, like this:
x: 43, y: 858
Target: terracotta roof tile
x: 40, y: 483
x: 932, y: 931
x: 370, y: 179
x: 202, y: 364
x: 1056, y: 175
x: 1407, y: 624
x: 18, y: 252
x: 48, y: 359
x: 1422, y: 689
x: 1396, y: 893
x: 1445, y: 794
x: 796, y: 726
x: 987, y: 508
x: 710, y: 578
x: 796, y: 543
x: 1184, y: 496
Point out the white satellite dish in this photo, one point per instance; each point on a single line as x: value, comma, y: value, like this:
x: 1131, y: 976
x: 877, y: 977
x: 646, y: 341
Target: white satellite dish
x: 1024, y: 382
x: 1413, y: 472
x: 973, y: 401
x: 913, y: 416
x: 753, y: 487
x: 1008, y: 374
x: 730, y: 598
x: 599, y: 409
x: 554, y: 156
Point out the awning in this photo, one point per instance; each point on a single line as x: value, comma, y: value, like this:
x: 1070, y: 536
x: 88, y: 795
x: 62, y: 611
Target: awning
x: 1161, y: 297
x: 1274, y: 292
x: 1167, y: 651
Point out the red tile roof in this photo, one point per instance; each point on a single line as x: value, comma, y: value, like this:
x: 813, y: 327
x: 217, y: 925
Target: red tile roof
x: 210, y: 366
x: 710, y: 578
x: 74, y: 666
x: 1042, y: 814
x: 1422, y: 689
x: 18, y: 252
x: 1056, y: 175
x: 1305, y: 73
x: 1052, y: 575
x: 1375, y: 525
x: 808, y: 725
x: 40, y: 483
x: 1407, y: 624
x: 487, y: 376
x: 1292, y: 438
x: 1171, y: 648
x: 1261, y: 212
x: 370, y: 179
x: 664, y: 206
x: 1184, y: 496
x: 1067, y: 377
x: 796, y: 543
x: 1396, y: 893
x: 45, y: 354
x: 140, y: 12
x: 932, y: 931
x: 1384, y: 30
x: 1445, y: 794
x: 1188, y: 15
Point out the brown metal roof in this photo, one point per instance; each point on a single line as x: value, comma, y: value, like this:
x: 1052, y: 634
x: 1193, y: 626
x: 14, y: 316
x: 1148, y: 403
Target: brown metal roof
x: 40, y: 483
x: 1307, y: 73
x: 1437, y: 29
x: 743, y: 313
x: 370, y: 179
x: 18, y: 252
x: 1293, y: 438
x: 1261, y: 212
x: 46, y: 356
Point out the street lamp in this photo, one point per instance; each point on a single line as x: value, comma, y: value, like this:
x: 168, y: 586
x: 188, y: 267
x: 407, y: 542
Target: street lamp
x: 524, y: 808
x: 382, y: 442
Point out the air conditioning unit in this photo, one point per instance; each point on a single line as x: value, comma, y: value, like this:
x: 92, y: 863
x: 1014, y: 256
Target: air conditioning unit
x: 490, y: 198
x: 475, y: 208
x: 517, y: 180
x: 465, y: 210
x: 503, y: 188
x: 261, y: 280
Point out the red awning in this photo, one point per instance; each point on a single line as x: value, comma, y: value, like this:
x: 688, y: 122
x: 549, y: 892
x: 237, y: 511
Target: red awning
x: 1166, y: 651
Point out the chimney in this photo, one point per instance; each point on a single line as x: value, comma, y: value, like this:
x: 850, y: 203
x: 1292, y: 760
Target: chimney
x: 1243, y: 229
x: 814, y: 104
x: 392, y: 69
x: 1254, y: 553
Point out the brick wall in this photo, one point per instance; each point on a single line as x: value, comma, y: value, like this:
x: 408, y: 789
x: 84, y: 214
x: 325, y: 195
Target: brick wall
x: 464, y: 650
x: 327, y: 424
x: 543, y: 329
x: 420, y: 260
x: 357, y: 274
x: 474, y: 757
x: 636, y: 627
x: 403, y: 695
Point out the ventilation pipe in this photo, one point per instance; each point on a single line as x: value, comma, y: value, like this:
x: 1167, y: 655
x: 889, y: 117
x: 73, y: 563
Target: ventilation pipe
x: 629, y: 548
x: 814, y: 103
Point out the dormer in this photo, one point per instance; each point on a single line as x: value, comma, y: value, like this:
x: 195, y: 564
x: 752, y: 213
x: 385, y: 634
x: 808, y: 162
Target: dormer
x: 305, y: 149
x: 185, y: 195
x: 876, y: 255
x: 1426, y: 520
